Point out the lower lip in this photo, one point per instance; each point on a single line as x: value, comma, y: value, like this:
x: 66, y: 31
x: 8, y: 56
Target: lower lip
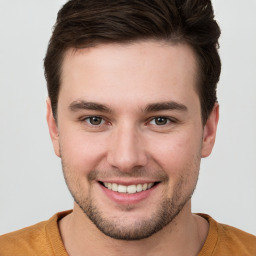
x: 125, y: 198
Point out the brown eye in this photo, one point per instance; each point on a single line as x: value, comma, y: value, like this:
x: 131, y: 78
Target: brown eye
x: 160, y: 120
x: 94, y: 120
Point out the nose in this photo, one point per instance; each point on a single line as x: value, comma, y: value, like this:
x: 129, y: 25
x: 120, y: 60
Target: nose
x: 127, y: 150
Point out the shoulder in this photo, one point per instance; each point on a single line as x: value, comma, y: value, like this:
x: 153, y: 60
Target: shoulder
x: 39, y: 239
x: 21, y: 241
x: 236, y: 238
x: 226, y: 240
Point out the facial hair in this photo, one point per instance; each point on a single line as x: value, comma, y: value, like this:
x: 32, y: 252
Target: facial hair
x: 115, y: 226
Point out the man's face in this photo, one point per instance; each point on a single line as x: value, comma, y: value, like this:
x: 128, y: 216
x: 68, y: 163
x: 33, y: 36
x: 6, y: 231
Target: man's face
x: 130, y: 134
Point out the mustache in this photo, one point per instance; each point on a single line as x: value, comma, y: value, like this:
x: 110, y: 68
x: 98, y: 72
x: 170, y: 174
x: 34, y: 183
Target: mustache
x: 158, y: 175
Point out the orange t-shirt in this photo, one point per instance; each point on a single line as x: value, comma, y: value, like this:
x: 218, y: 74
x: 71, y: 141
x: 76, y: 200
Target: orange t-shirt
x: 43, y: 239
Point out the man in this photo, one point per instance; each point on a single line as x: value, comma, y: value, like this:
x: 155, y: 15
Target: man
x: 131, y: 111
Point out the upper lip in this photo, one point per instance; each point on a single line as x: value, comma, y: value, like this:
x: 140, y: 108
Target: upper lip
x: 128, y: 182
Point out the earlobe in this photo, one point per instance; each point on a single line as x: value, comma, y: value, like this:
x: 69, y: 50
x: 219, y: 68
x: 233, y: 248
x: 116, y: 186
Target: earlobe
x: 52, y: 126
x: 210, y: 130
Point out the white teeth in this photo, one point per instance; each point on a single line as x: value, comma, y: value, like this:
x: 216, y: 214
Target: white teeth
x: 145, y: 186
x: 150, y: 185
x: 122, y: 189
x: 114, y: 187
x: 131, y: 189
x: 139, y: 188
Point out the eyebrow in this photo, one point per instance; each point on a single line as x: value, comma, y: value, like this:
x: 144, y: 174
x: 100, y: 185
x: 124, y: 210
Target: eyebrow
x: 153, y: 107
x: 81, y: 104
x: 169, y: 105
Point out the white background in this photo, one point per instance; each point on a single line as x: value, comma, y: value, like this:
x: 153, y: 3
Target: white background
x: 31, y: 184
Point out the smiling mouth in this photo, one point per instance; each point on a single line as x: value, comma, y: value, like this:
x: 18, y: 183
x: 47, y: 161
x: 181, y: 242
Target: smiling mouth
x: 131, y: 189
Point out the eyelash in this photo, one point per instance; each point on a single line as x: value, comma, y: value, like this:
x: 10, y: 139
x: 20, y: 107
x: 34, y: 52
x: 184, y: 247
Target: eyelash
x: 92, y: 125
x: 167, y: 119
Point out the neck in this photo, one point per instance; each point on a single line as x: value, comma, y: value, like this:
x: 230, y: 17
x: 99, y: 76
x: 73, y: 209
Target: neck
x: 185, y: 235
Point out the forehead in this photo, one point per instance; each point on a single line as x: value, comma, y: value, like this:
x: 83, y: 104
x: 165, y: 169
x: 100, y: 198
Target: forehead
x: 135, y: 72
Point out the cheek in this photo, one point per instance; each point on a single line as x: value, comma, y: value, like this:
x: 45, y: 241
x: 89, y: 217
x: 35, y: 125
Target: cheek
x: 81, y: 151
x: 179, y: 158
x: 177, y: 152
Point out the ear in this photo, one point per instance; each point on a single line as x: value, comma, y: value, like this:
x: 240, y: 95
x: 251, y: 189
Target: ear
x: 53, y: 129
x: 210, y: 129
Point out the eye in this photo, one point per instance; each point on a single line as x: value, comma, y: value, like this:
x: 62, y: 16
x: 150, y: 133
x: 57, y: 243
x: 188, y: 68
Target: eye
x: 160, y: 121
x: 94, y: 120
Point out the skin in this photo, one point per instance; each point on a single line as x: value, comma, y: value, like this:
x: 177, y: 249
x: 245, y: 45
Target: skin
x: 130, y: 146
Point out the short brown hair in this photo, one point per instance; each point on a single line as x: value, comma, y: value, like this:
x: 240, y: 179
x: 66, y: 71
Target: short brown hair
x: 86, y: 23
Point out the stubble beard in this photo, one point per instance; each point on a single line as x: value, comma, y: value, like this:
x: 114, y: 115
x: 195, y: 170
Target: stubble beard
x: 114, y: 227
x: 138, y: 230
